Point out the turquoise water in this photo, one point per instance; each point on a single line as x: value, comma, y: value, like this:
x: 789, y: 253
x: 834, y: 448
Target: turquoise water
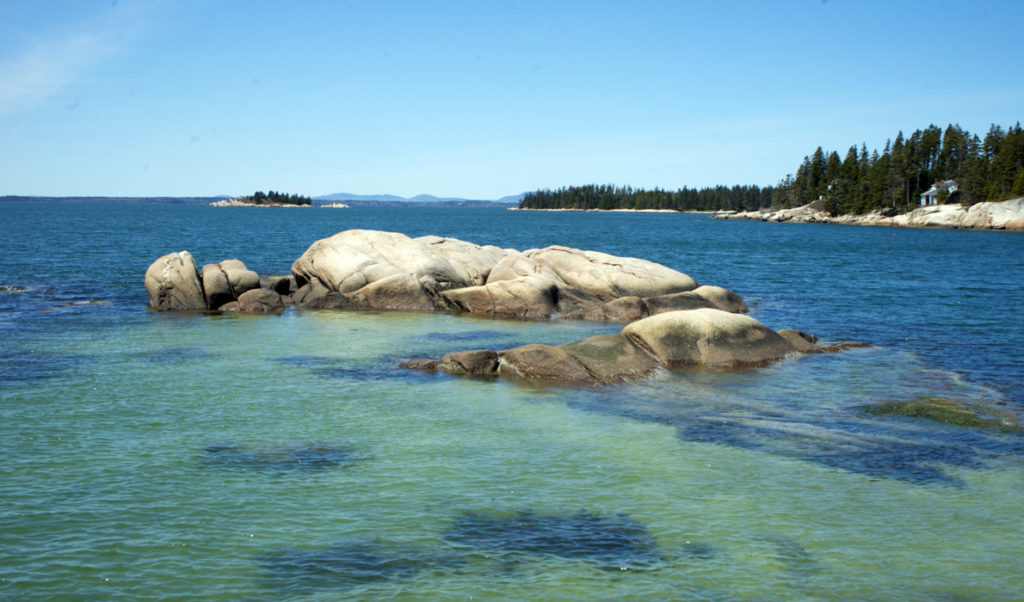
x: 286, y: 457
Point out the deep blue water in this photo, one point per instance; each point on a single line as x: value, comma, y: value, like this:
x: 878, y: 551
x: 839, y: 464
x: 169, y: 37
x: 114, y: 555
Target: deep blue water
x: 287, y: 456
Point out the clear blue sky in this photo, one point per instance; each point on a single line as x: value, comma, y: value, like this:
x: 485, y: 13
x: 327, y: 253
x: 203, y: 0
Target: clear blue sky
x: 479, y: 99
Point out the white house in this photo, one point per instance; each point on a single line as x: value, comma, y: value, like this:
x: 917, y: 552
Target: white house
x: 931, y: 196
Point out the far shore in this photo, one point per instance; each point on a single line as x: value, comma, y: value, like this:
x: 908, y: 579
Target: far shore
x: 612, y: 210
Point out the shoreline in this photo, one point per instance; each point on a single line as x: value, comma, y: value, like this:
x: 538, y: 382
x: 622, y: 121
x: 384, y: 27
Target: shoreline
x: 990, y: 215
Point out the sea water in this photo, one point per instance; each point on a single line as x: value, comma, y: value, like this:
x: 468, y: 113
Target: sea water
x: 153, y: 455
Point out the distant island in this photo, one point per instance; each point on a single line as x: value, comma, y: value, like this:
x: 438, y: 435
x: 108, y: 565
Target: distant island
x: 929, y: 167
x: 266, y: 199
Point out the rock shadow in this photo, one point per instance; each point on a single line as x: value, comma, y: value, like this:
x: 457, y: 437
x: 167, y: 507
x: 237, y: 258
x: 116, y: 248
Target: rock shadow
x: 303, y: 456
x: 615, y: 542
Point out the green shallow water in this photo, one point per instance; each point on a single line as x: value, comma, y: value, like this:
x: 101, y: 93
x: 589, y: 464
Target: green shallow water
x: 110, y: 490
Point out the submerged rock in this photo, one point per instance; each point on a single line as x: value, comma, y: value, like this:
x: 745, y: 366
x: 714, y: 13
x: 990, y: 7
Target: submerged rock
x: 612, y: 542
x: 281, y: 457
x: 695, y: 337
x: 941, y: 410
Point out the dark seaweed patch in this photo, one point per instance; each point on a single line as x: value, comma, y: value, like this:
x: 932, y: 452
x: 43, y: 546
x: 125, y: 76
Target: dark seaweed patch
x: 33, y: 365
x: 613, y: 542
x: 172, y: 355
x: 282, y: 457
x: 347, y: 564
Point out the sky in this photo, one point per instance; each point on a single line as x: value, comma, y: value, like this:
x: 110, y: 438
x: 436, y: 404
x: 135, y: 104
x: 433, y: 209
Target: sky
x: 479, y: 99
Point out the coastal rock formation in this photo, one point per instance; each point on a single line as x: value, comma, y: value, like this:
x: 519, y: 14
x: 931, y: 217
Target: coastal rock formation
x: 172, y: 283
x: 696, y: 337
x: 387, y: 270
x: 368, y: 269
x: 1001, y: 215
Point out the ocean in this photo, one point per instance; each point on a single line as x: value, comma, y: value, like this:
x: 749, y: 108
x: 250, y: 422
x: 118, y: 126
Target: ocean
x: 190, y: 456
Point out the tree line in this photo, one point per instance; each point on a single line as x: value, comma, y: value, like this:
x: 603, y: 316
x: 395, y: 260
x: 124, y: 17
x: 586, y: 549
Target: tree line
x: 276, y: 198
x: 593, y: 196
x: 991, y: 168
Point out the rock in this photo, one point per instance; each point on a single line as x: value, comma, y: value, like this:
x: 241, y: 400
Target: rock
x: 223, y: 282
x: 314, y: 295
x: 396, y: 292
x: 282, y: 285
x: 524, y: 297
x: 172, y: 283
x: 676, y: 302
x: 611, y: 358
x: 606, y: 277
x: 723, y: 299
x: 480, y: 362
x: 543, y: 362
x: 940, y: 410
x: 800, y: 340
x: 707, y: 337
x: 256, y: 301
x: 421, y: 364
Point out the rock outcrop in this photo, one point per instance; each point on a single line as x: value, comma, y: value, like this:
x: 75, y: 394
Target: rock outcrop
x: 386, y: 270
x: 994, y: 215
x: 696, y: 337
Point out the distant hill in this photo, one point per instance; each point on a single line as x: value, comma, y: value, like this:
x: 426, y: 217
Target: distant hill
x: 424, y: 200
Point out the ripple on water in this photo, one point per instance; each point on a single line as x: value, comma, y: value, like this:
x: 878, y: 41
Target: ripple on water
x: 379, y: 369
x: 33, y: 365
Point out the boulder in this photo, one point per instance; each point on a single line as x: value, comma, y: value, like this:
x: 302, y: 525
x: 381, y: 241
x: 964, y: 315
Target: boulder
x: 707, y: 337
x: 225, y: 281
x: 260, y: 301
x: 800, y: 340
x: 172, y: 283
x: 676, y: 302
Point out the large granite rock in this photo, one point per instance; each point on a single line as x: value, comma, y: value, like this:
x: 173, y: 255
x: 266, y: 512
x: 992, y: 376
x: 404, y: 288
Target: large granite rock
x: 385, y: 270
x: 172, y: 283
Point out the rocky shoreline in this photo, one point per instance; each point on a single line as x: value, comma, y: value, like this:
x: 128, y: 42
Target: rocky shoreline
x: 672, y: 321
x: 1001, y: 215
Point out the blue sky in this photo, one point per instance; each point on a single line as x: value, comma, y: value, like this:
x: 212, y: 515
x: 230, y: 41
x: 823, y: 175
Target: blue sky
x: 478, y: 99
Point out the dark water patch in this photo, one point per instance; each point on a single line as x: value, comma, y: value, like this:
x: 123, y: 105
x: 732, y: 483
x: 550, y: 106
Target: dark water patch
x: 25, y: 366
x: 462, y: 337
x: 348, y: 564
x: 383, y: 368
x: 611, y: 542
x: 304, y: 456
x: 172, y: 355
